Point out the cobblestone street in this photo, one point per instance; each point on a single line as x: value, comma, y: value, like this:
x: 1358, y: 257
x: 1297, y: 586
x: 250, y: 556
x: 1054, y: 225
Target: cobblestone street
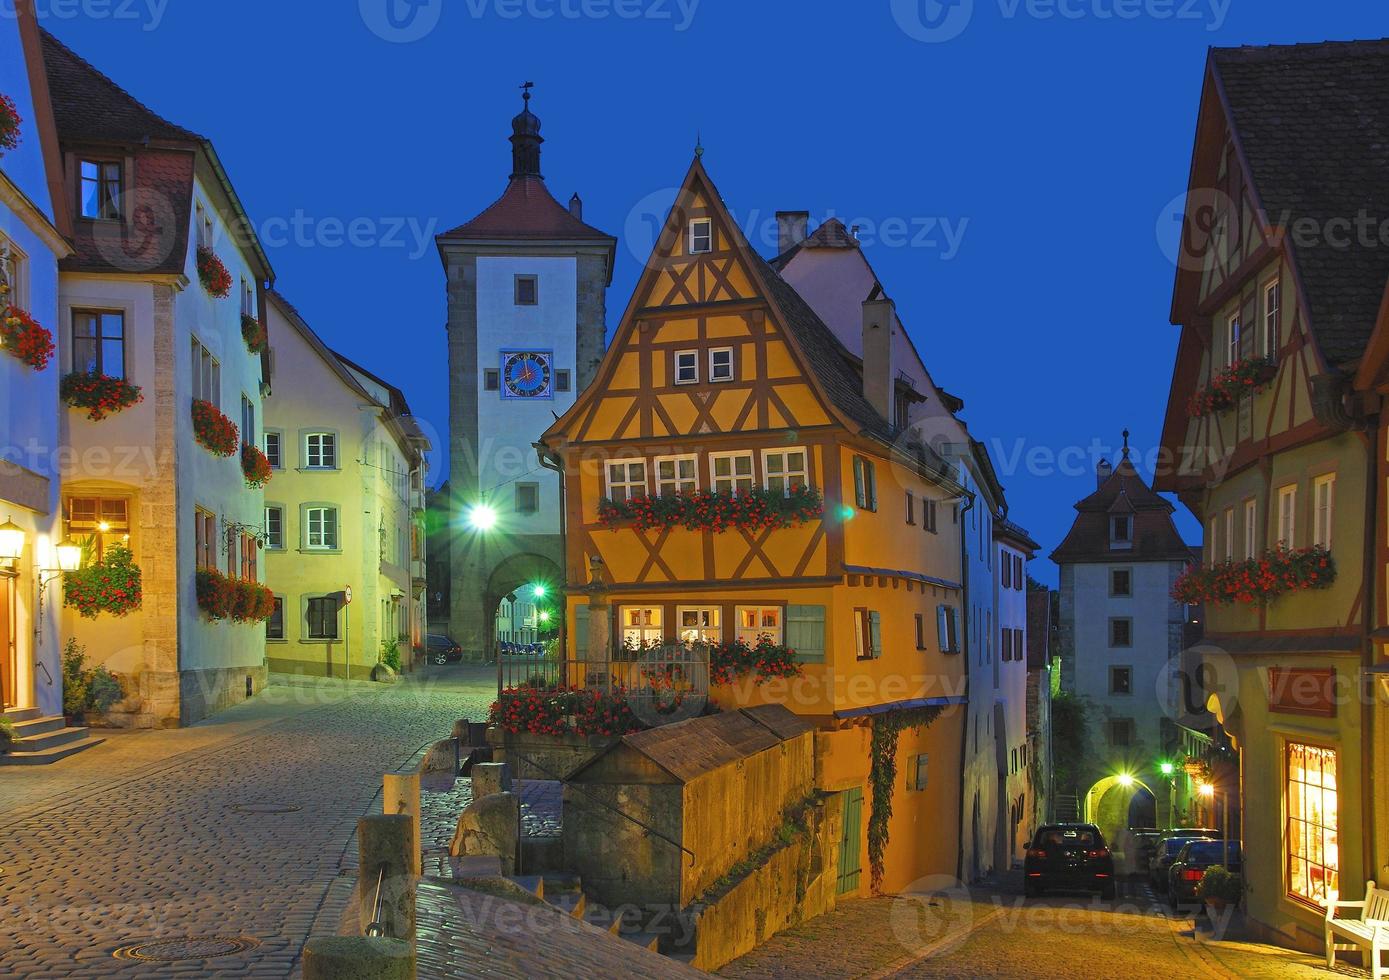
x: 991, y: 932
x: 240, y: 828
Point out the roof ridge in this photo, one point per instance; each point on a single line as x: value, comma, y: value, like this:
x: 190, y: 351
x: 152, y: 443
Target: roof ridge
x: 106, y: 79
x: 1307, y: 49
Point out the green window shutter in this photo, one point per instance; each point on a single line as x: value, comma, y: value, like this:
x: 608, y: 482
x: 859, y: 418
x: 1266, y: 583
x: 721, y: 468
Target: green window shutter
x: 581, y: 632
x: 942, y: 629
x: 875, y: 634
x: 872, y: 486
x: 805, y: 633
x: 860, y: 491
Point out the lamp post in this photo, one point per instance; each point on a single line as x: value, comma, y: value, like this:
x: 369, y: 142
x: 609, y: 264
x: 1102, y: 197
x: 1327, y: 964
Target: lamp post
x: 68, y: 558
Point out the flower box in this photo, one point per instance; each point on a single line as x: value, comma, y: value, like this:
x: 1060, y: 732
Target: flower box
x: 253, y: 332
x: 213, y: 274
x: 22, y: 337
x: 733, y: 659
x: 223, y: 597
x: 1256, y: 580
x: 707, y: 510
x: 255, y: 466
x: 9, y: 123
x: 112, y: 584
x: 562, y: 711
x: 100, y: 394
x: 214, y: 431
x: 1244, y: 377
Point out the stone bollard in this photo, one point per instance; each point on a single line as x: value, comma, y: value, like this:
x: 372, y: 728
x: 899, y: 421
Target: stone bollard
x: 388, y: 840
x: 358, y: 958
x: 400, y: 793
x: 490, y: 778
x: 460, y: 730
x: 490, y: 827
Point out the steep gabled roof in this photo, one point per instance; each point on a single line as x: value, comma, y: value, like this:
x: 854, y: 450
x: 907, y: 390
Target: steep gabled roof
x: 1311, y: 123
x: 526, y: 211
x: 830, y: 234
x: 1154, y: 535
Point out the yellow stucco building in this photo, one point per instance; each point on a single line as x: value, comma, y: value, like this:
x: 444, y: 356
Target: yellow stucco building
x: 721, y: 378
x: 344, y: 510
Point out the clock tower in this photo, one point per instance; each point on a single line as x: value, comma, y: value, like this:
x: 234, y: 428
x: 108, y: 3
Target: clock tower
x: 526, y: 285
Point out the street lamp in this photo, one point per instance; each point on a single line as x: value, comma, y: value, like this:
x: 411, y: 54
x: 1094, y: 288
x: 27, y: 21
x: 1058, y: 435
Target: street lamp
x: 11, y: 541
x: 481, y: 517
x: 68, y: 558
x: 1125, y: 780
x: 1167, y: 768
x: 538, y: 590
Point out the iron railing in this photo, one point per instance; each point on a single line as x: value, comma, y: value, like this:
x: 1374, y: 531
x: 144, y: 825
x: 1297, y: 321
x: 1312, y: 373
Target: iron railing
x: 376, y: 928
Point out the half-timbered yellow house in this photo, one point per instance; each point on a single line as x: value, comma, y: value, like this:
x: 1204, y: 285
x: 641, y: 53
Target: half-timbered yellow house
x: 1276, y: 295
x: 720, y: 378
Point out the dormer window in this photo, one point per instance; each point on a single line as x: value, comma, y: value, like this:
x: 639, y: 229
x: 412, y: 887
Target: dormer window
x: 1121, y: 530
x: 701, y: 235
x: 101, y: 190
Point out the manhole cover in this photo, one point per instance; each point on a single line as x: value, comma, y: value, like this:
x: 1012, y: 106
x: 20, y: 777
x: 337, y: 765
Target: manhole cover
x: 266, y: 807
x: 186, y: 948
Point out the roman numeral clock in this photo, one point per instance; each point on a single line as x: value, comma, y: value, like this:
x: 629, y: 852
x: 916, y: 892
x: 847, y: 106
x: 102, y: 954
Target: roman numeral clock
x: 528, y: 374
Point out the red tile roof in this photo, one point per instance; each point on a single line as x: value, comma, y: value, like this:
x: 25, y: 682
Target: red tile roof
x: 1154, y: 536
x: 526, y: 211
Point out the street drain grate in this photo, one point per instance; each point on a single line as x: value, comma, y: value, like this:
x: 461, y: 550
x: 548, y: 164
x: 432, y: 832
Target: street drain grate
x: 264, y: 808
x: 181, y: 948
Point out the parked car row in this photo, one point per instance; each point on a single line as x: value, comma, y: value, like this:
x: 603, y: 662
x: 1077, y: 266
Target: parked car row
x: 1191, y: 863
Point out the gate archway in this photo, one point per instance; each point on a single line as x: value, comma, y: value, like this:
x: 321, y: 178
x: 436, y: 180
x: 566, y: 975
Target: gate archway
x: 1118, y: 802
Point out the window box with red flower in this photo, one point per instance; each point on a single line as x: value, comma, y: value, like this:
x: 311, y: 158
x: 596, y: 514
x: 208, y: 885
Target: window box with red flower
x: 239, y: 600
x: 23, y: 337
x: 256, y: 466
x: 253, y: 332
x: 10, y: 121
x: 213, y: 274
x: 734, y: 659
x: 100, y: 394
x: 1256, y: 580
x: 563, y: 711
x: 111, y: 584
x: 214, y: 431
x: 1245, y: 377
x: 719, y: 511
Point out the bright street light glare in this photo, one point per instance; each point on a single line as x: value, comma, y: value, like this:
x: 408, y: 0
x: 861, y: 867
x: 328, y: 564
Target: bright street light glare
x: 481, y: 517
x: 1167, y: 768
x: 1125, y: 779
x: 539, y: 591
x: 1206, y: 789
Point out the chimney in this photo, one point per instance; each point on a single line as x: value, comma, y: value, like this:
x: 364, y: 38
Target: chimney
x: 1103, y: 472
x: 790, y: 229
x: 576, y: 206
x: 879, y: 378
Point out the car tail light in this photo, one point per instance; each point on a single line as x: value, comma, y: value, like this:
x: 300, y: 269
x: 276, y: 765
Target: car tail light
x: 1037, y: 853
x: 1192, y: 874
x: 1101, y: 852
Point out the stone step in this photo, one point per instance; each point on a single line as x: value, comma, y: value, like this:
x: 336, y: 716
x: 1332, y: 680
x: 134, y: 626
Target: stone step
x: 21, y: 714
x: 47, y: 756
x: 601, y: 918
x: 646, y: 940
x: 36, y: 726
x: 535, y: 884
x: 571, y: 903
x: 51, y: 739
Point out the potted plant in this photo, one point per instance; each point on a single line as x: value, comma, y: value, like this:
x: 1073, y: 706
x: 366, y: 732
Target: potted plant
x: 254, y: 334
x: 1219, y: 888
x: 110, y: 584
x: 7, y: 735
x: 100, y: 394
x: 213, y: 274
x: 86, y: 689
x: 255, y: 466
x: 23, y: 337
x: 214, y: 431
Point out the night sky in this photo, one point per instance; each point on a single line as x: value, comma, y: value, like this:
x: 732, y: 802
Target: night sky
x: 1014, y: 177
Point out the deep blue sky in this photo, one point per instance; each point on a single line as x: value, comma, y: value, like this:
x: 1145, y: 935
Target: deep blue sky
x: 1055, y: 142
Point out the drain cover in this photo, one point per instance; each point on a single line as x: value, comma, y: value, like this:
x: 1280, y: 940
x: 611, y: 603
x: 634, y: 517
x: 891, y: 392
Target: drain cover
x: 179, y: 948
x: 266, y: 807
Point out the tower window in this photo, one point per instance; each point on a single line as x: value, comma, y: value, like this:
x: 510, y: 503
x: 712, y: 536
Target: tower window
x: 527, y: 498
x: 1120, y: 582
x: 701, y: 235
x: 1121, y: 680
x: 562, y: 379
x: 527, y: 291
x: 491, y: 379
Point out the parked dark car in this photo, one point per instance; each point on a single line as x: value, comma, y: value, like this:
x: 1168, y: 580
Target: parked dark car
x: 1069, y: 856
x: 1167, y: 849
x: 1145, y: 844
x: 442, y: 649
x: 1191, y: 863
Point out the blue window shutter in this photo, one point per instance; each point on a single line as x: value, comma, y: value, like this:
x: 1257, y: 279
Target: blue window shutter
x: 875, y: 634
x: 805, y: 633
x: 581, y: 632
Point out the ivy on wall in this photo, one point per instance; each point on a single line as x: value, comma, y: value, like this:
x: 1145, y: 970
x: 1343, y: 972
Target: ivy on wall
x: 882, y: 775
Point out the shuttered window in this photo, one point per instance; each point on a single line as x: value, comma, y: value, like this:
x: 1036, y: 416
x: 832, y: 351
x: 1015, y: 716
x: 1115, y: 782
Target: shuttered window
x: 805, y: 633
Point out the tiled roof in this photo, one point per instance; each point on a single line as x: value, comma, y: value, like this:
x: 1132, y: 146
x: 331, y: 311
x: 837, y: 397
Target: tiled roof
x: 88, y: 104
x: 1015, y: 533
x: 1154, y: 536
x: 691, y: 748
x: 1313, y: 121
x: 526, y: 211
x: 830, y: 234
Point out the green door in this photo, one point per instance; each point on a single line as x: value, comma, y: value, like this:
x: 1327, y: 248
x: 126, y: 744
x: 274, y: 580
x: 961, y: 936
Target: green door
x: 851, y: 842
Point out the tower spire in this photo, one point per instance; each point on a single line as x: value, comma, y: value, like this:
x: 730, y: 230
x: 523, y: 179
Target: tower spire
x: 1126, y: 443
x: 525, y: 138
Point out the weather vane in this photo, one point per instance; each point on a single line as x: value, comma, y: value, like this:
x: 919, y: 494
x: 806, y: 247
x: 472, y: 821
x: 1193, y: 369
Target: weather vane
x: 1126, y: 443
x: 526, y: 92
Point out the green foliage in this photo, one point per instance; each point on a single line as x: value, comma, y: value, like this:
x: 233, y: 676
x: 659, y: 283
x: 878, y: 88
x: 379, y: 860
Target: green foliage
x: 882, y: 776
x: 87, y: 689
x: 390, y: 655
x: 1070, y: 739
x: 1220, y: 885
x: 7, y: 735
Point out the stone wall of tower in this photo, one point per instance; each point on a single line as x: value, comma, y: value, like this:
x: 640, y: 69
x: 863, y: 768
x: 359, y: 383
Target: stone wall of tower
x: 592, y: 318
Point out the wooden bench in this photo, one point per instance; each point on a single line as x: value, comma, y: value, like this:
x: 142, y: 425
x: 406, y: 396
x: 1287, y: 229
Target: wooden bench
x: 1369, y: 932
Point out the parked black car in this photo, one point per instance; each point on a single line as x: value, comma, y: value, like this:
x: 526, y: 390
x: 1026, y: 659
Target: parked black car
x: 1191, y: 863
x: 442, y: 649
x: 1167, y: 849
x: 1069, y: 856
x: 1144, y: 843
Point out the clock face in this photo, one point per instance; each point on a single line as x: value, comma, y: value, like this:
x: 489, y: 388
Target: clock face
x: 527, y: 374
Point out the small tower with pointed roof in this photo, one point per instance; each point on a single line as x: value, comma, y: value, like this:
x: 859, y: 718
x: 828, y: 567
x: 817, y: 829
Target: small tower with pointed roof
x: 526, y: 283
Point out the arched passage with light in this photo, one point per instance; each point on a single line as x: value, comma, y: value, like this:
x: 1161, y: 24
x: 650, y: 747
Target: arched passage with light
x: 1118, y: 802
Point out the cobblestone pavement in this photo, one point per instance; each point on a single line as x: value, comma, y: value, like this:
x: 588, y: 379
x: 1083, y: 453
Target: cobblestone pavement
x: 241, y: 827
x: 994, y: 932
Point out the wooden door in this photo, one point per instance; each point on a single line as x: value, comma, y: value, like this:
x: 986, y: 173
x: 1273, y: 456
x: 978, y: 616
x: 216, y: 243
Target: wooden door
x: 850, y: 844
x: 9, y: 644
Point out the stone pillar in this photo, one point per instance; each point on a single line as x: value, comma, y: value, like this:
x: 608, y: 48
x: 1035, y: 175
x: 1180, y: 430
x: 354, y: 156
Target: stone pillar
x: 489, y: 778
x: 400, y: 793
x: 599, y: 650
x: 590, y: 316
x: 358, y: 958
x: 388, y: 840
